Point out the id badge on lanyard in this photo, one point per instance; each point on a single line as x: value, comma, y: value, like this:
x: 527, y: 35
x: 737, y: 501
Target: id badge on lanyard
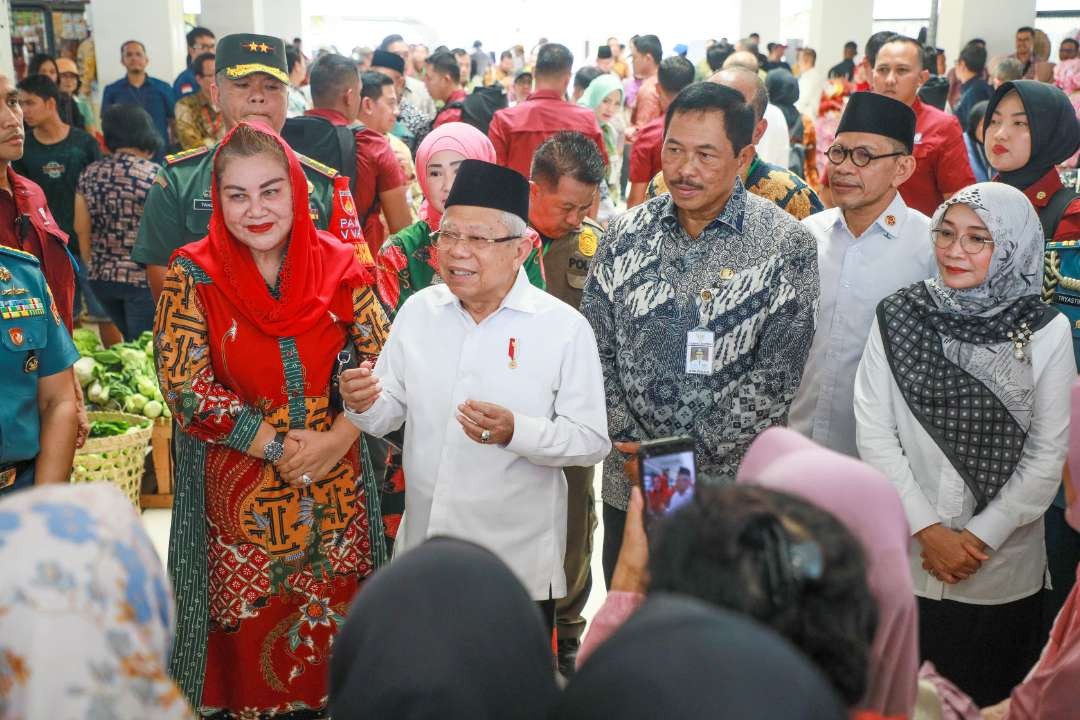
x: 700, y: 342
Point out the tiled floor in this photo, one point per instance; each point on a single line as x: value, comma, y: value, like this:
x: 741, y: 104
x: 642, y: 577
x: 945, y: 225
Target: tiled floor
x: 157, y: 525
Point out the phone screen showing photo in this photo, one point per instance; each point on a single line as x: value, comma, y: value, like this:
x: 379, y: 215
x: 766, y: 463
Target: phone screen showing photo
x: 667, y: 482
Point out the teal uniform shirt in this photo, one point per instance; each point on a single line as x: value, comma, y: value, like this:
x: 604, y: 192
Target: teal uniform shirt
x: 178, y: 206
x: 33, y: 344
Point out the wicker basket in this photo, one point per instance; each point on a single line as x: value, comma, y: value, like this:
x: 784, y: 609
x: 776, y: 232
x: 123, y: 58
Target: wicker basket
x: 119, y: 459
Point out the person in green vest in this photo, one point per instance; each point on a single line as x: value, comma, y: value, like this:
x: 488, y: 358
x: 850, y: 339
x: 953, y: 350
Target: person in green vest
x: 251, y: 83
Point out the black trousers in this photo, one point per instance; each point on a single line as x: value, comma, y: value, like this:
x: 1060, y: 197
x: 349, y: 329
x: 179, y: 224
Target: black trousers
x: 986, y: 650
x: 614, y: 523
x: 547, y: 609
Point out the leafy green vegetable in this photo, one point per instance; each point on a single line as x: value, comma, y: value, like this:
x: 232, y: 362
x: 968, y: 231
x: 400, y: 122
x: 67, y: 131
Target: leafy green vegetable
x: 86, y: 341
x: 108, y: 428
x: 123, y: 377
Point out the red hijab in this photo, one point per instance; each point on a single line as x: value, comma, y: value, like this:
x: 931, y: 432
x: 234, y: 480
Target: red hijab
x: 318, y: 271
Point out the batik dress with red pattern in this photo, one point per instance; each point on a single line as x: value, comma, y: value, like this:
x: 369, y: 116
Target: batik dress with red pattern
x: 284, y: 562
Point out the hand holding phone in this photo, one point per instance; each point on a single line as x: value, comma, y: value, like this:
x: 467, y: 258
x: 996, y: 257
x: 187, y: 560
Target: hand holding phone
x: 668, y: 475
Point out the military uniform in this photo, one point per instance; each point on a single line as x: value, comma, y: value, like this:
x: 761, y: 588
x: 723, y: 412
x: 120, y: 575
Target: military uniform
x: 33, y: 344
x: 566, y: 264
x: 177, y: 209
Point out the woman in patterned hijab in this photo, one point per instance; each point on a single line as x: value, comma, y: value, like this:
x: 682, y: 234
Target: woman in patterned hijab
x: 957, y: 402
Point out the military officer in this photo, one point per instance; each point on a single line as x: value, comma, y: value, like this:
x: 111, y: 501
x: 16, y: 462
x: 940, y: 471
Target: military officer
x: 567, y: 170
x: 36, y: 355
x: 251, y: 83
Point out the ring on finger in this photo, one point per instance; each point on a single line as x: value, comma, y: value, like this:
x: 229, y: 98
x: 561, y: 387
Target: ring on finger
x: 485, y: 436
x: 306, y: 479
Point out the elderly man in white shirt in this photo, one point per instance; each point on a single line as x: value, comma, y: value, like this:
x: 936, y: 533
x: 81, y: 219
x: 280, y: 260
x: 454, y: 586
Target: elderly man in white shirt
x: 869, y: 246
x: 499, y: 386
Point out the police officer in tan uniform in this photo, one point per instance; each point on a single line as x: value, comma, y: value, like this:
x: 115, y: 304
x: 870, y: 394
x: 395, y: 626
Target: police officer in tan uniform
x: 567, y: 170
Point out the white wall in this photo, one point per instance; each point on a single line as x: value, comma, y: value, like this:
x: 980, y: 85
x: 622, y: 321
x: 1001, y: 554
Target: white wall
x: 7, y: 64
x: 834, y: 23
x: 995, y: 22
x: 225, y: 17
x: 158, y: 24
x: 762, y: 17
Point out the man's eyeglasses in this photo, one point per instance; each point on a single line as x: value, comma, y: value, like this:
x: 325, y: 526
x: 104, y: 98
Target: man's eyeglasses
x: 860, y: 156
x: 971, y: 244
x: 446, y: 239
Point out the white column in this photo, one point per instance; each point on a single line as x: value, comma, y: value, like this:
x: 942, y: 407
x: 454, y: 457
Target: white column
x: 762, y: 17
x: 225, y: 17
x: 284, y: 19
x: 158, y: 24
x: 996, y: 23
x: 7, y: 62
x: 834, y: 23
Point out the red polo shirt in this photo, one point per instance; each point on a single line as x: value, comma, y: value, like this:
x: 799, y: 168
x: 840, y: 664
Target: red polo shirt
x: 377, y: 170
x: 645, y: 155
x: 516, y: 132
x: 941, y: 162
x: 452, y: 114
x: 1040, y: 194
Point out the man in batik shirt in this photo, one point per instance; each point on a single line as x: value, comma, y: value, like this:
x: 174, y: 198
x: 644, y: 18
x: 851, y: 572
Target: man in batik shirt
x: 702, y: 301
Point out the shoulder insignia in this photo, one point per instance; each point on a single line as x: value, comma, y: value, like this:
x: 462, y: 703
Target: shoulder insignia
x: 159, y: 179
x: 21, y: 254
x: 185, y: 154
x: 317, y: 166
x: 587, y: 241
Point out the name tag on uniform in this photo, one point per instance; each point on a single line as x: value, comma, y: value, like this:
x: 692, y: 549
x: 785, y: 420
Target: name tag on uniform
x: 699, y: 351
x: 203, y: 204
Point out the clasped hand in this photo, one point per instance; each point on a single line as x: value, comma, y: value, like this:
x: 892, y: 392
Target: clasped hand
x: 951, y: 556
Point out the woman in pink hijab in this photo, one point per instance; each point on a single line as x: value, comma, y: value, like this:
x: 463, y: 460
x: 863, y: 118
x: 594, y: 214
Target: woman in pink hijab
x: 1051, y: 691
x: 407, y: 261
x: 866, y: 503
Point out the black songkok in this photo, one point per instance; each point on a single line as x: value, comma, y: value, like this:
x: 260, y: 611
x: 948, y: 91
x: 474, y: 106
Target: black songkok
x: 386, y: 59
x: 869, y: 112
x: 483, y: 184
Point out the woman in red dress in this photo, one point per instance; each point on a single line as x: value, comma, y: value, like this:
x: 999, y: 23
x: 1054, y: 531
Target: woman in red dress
x: 271, y: 533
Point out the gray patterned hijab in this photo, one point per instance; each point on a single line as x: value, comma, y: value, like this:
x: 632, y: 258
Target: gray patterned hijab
x: 961, y: 357
x: 1017, y: 264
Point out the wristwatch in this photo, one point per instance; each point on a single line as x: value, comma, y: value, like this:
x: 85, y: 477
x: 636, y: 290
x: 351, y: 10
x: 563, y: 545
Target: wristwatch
x: 275, y: 449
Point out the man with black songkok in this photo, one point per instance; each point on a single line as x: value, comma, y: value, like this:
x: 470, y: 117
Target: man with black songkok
x: 498, y: 384
x: 870, y: 245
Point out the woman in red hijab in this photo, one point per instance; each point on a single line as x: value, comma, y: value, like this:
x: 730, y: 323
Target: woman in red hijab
x: 271, y: 534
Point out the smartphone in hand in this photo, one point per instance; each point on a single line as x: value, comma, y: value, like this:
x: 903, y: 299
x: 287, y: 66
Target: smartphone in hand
x: 668, y: 475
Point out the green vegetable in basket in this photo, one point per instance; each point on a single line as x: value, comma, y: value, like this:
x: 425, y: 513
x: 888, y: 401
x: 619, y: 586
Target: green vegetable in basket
x: 108, y: 428
x: 134, y: 404
x: 153, y: 409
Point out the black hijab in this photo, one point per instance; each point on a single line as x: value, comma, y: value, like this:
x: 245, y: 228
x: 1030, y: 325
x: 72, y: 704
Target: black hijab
x: 678, y: 657
x: 784, y: 93
x: 1055, y: 131
x: 447, y: 632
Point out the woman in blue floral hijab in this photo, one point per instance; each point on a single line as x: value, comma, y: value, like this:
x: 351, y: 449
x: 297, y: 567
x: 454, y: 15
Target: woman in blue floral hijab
x: 86, y: 614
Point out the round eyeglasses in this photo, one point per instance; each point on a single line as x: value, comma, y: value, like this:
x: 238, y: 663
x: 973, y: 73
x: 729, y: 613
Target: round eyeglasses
x: 971, y: 244
x: 860, y: 156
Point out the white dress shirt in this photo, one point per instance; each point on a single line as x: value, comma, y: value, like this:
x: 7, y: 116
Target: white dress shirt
x: 811, y: 83
x: 856, y: 274
x: 892, y: 440
x: 774, y: 146
x: 509, y: 499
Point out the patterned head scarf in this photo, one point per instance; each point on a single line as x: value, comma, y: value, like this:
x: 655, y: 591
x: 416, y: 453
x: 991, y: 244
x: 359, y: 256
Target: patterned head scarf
x: 958, y: 356
x: 1017, y: 264
x: 86, y: 614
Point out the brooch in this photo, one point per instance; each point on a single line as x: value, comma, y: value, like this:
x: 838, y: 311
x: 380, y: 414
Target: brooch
x: 1020, y: 338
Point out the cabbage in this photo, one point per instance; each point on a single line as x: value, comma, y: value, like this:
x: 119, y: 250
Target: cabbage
x: 134, y: 404
x: 152, y: 409
x: 147, y: 387
x: 85, y: 370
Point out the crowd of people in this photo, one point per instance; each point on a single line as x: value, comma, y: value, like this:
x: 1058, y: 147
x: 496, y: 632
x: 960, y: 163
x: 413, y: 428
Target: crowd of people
x: 404, y: 303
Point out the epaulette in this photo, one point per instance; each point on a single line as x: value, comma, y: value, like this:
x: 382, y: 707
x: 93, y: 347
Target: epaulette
x: 185, y: 154
x: 317, y: 166
x: 21, y: 254
x: 1062, y: 244
x: 593, y: 224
